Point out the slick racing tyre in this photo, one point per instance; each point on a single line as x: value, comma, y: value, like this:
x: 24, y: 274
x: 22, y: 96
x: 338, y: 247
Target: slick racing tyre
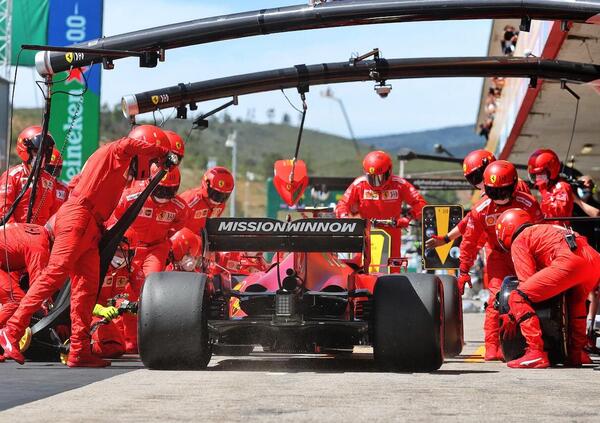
x: 172, y: 321
x: 408, y: 323
x: 453, y: 317
x: 553, y: 318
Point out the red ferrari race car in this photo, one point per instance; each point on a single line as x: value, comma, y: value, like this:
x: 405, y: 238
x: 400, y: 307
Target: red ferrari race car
x: 307, y: 300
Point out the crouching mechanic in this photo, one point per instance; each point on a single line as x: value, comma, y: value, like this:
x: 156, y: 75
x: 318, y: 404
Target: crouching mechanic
x: 77, y: 232
x: 500, y: 181
x: 210, y: 198
x: 548, y: 260
x: 186, y: 251
x: 379, y: 194
x: 26, y: 250
x: 123, y: 280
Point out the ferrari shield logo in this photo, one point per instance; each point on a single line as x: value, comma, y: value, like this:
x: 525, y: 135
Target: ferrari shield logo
x: 371, y: 170
x: 493, y: 179
x: 69, y: 57
x: 464, y: 168
x: 221, y: 183
x: 154, y: 99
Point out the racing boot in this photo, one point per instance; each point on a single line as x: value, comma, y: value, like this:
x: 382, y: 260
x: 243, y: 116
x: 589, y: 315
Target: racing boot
x: 493, y: 352
x: 10, y: 347
x: 533, y: 359
x: 85, y: 358
x: 522, y: 312
x: 577, y: 341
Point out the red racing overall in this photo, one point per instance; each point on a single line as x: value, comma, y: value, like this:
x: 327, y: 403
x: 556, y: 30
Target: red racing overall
x: 482, y: 222
x: 546, y: 266
x: 27, y: 249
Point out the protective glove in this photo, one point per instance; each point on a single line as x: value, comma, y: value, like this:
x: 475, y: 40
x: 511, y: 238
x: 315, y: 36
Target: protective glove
x: 435, y: 241
x: 402, y: 222
x: 107, y: 313
x: 508, y: 326
x: 464, y: 279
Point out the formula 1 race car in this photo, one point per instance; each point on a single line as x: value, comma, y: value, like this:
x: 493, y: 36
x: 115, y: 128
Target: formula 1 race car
x: 308, y: 300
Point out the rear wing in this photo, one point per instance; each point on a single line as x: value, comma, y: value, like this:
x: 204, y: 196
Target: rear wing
x: 303, y: 235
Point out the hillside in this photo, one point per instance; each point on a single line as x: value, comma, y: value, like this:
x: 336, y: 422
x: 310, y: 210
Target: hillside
x: 459, y: 140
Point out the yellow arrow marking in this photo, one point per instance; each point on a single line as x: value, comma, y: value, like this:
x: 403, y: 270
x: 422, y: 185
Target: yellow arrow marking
x: 442, y: 222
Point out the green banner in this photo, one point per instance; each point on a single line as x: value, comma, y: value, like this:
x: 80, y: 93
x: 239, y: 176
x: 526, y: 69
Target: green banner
x: 29, y: 26
x: 76, y: 116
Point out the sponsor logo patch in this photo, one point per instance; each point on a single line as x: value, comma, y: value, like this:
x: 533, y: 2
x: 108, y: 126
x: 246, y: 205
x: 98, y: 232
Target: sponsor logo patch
x: 146, y: 212
x: 201, y: 214
x: 165, y: 216
x: 121, y: 282
x: 370, y: 195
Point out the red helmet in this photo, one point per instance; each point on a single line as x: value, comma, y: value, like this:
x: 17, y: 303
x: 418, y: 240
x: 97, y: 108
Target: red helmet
x: 54, y: 166
x: 217, y: 184
x: 378, y: 168
x: 28, y: 143
x: 474, y: 165
x: 500, y: 179
x: 543, y: 161
x: 152, y: 135
x: 168, y: 185
x: 510, y: 224
x: 186, y: 250
x: 176, y: 144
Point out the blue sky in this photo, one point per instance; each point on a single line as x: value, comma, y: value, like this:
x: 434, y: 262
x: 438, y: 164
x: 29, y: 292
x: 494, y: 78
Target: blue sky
x: 413, y: 104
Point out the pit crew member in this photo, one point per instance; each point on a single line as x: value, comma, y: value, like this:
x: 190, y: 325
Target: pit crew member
x: 210, y: 198
x: 379, y: 194
x: 500, y: 181
x: 123, y: 280
x: 474, y: 165
x: 186, y: 251
x: 549, y: 259
x: 163, y: 214
x: 13, y: 180
x: 557, y: 195
x: 26, y: 250
x: 77, y: 233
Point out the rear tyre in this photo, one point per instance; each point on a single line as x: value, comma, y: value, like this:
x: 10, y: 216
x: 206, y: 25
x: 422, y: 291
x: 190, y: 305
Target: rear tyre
x: 172, y: 321
x: 408, y: 322
x: 453, y: 317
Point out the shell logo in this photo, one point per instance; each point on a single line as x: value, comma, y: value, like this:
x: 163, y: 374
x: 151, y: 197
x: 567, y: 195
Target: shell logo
x: 371, y: 170
x: 493, y: 178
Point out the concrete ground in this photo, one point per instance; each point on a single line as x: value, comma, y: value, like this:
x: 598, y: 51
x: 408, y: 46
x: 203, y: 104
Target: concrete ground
x: 280, y: 388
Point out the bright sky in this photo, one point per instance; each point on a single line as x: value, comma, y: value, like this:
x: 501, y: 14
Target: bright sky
x: 413, y: 105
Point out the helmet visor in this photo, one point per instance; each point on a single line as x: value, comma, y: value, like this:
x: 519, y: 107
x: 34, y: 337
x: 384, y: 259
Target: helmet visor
x: 217, y: 196
x: 164, y: 192
x: 378, y: 180
x: 476, y: 176
x: 500, y: 193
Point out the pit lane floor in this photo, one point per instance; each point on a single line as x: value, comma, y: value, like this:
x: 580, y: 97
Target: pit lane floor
x: 275, y: 388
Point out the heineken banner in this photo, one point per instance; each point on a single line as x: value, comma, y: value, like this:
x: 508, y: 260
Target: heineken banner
x: 76, y: 117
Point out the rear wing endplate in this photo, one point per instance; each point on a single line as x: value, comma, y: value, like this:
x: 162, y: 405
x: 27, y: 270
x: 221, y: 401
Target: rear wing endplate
x: 303, y: 235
